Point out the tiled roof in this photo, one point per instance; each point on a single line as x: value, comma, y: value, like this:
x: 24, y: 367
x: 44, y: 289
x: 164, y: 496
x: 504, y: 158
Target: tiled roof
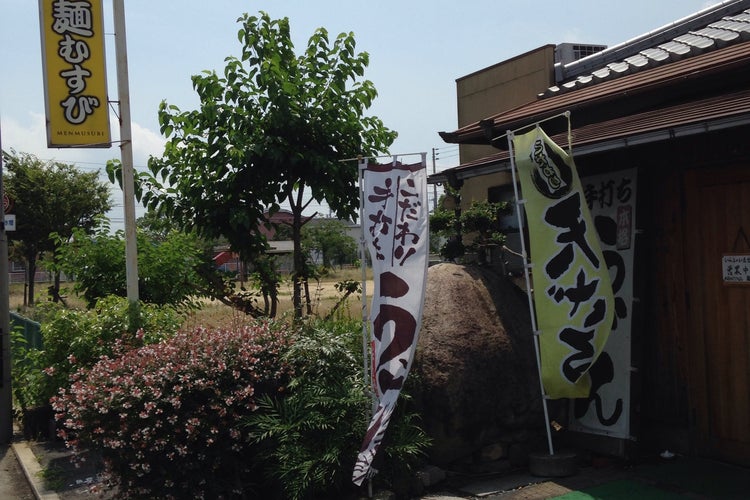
x: 688, y: 77
x: 713, y: 113
x: 707, y: 30
x: 631, y: 87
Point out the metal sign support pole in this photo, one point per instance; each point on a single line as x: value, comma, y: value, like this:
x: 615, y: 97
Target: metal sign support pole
x: 126, y: 151
x: 363, y: 265
x: 6, y: 394
x: 526, y: 266
x: 366, y: 351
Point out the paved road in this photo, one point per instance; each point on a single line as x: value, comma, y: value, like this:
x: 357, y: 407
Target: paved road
x: 13, y: 484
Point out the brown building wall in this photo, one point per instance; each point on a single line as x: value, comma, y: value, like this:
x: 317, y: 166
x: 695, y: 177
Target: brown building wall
x: 501, y: 87
x: 672, y: 385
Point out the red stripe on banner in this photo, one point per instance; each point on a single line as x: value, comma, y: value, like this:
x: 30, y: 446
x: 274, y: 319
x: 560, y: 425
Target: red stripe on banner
x: 375, y: 434
x: 412, y: 167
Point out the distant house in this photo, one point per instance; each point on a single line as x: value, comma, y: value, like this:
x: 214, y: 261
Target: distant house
x: 229, y: 261
x: 661, y: 121
x: 282, y: 249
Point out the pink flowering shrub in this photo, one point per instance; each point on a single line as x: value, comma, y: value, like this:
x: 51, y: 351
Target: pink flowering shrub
x: 74, y: 339
x: 166, y: 418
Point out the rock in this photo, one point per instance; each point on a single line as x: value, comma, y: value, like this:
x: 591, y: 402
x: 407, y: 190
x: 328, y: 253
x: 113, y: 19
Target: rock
x: 381, y: 495
x: 430, y: 475
x: 476, y: 381
x: 493, y: 452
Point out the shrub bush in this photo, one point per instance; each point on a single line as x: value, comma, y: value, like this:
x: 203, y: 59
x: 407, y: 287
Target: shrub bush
x: 73, y: 339
x: 165, y: 418
x: 28, y: 378
x: 309, y: 437
x: 173, y: 268
x: 262, y: 411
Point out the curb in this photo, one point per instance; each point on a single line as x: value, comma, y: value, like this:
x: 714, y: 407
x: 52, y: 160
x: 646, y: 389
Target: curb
x: 32, y: 470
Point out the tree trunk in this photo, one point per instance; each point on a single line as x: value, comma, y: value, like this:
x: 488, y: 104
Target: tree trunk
x: 56, y: 288
x: 308, y: 301
x: 299, y: 272
x: 274, y: 302
x: 30, y: 275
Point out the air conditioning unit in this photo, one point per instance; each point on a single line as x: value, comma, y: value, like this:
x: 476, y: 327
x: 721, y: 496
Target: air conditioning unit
x: 568, y: 52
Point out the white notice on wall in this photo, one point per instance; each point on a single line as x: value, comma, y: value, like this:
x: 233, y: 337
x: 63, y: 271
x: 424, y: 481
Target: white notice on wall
x: 735, y: 269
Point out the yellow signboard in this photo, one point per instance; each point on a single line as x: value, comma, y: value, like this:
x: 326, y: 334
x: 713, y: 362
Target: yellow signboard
x: 75, y: 77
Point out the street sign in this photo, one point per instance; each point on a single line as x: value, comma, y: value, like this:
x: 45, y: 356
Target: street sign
x: 10, y: 222
x: 7, y: 204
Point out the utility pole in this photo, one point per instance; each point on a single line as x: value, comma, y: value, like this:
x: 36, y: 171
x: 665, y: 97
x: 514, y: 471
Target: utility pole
x: 126, y: 152
x: 434, y: 186
x: 6, y: 394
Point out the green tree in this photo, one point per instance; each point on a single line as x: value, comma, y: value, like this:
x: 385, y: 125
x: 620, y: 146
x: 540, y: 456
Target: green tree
x: 328, y: 238
x: 50, y: 197
x: 445, y: 225
x: 156, y: 227
x: 480, y: 223
x: 170, y: 270
x: 272, y: 128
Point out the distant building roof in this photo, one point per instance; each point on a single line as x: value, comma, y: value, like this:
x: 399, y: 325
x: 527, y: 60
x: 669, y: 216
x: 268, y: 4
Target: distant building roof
x: 280, y: 217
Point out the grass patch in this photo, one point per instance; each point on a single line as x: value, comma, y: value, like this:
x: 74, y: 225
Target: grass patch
x: 53, y: 477
x: 323, y: 296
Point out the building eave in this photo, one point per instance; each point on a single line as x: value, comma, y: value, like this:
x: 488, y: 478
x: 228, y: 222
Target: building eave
x: 682, y: 120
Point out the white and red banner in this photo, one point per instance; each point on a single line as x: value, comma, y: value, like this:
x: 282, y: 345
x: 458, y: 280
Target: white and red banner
x: 395, y: 223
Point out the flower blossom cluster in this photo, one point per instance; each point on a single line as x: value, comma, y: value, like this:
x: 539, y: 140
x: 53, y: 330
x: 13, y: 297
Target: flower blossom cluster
x: 166, y: 417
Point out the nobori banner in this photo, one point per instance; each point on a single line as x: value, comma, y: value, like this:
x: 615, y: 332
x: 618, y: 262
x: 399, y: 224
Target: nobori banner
x: 395, y: 220
x: 572, y: 291
x: 611, y: 199
x: 75, y: 78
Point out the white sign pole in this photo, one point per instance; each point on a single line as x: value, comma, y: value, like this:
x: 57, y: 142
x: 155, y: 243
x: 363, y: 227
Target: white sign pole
x: 126, y: 151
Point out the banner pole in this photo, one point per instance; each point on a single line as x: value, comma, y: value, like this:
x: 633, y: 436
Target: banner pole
x: 363, y: 266
x: 365, y: 331
x: 532, y: 315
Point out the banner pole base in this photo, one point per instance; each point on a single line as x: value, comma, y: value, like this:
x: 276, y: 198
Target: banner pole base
x: 560, y: 465
x: 547, y: 426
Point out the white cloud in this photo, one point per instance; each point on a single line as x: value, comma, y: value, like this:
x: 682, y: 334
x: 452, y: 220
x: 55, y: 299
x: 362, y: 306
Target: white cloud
x: 29, y: 137
x: 146, y: 143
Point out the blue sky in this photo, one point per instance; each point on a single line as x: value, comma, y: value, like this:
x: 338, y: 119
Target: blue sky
x: 418, y: 48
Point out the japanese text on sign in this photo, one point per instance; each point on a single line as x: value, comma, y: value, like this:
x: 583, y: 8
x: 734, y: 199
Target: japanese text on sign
x: 736, y: 269
x: 75, y: 79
